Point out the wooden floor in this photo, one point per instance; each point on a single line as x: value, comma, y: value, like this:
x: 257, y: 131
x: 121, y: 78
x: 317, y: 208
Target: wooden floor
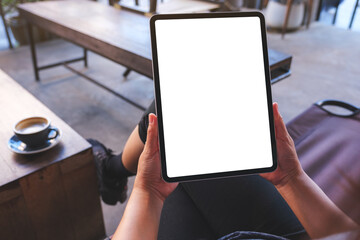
x: 325, y: 65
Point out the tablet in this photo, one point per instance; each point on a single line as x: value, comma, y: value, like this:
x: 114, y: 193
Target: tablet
x: 213, y: 95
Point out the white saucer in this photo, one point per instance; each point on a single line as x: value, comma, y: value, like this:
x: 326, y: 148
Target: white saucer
x: 19, y: 147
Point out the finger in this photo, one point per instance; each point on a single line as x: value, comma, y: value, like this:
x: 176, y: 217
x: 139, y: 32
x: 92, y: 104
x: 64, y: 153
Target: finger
x: 151, y: 144
x: 280, y: 127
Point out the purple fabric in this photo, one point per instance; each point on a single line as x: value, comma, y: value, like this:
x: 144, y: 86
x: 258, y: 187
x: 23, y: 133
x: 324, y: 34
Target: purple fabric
x: 328, y: 147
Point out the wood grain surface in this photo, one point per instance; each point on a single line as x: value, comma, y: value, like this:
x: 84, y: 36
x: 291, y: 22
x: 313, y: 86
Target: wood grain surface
x: 15, y: 104
x: 118, y: 35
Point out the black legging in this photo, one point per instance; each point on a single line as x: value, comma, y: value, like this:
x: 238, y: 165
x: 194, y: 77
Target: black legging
x: 213, y: 208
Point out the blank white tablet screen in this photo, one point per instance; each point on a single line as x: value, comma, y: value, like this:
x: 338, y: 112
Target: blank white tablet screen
x: 213, y: 95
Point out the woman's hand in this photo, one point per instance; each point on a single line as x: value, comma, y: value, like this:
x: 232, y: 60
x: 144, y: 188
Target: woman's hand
x: 149, y: 169
x: 288, y: 163
x: 142, y: 214
x: 316, y: 212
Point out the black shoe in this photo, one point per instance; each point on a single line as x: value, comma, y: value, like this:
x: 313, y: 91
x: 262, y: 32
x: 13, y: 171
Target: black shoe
x: 111, y: 189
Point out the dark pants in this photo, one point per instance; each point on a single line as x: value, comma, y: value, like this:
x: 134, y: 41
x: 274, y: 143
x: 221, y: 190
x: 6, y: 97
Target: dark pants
x: 213, y: 208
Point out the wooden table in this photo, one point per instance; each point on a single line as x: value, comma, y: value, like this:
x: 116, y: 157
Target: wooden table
x: 49, y: 195
x: 121, y: 36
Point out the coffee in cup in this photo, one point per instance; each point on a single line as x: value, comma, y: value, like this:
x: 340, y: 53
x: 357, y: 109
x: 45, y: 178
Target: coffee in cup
x: 35, y: 131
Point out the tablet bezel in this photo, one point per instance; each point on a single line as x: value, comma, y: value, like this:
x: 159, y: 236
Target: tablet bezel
x: 158, y: 95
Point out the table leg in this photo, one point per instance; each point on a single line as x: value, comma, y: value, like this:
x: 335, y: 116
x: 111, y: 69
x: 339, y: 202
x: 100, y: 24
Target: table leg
x: 85, y: 58
x: 260, y: 4
x: 127, y: 72
x: 105, y: 87
x: 265, y: 3
x: 33, y: 52
x: 153, y: 4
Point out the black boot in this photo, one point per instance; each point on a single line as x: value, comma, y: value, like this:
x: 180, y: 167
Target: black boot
x: 112, y: 189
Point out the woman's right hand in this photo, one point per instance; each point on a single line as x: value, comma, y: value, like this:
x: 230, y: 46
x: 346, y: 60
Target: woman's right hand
x: 288, y: 162
x: 316, y: 212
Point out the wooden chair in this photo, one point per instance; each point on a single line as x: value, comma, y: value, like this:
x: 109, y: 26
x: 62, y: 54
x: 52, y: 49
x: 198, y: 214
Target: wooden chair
x: 261, y: 4
x: 321, y: 7
x: 288, y: 9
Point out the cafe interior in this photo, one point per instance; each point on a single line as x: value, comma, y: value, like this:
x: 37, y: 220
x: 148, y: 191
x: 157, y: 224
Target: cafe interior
x: 83, y: 69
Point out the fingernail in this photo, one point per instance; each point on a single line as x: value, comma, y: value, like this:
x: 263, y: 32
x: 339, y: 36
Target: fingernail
x: 151, y: 118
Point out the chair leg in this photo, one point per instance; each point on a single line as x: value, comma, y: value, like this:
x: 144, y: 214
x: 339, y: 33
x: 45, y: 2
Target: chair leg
x: 353, y: 15
x: 318, y: 12
x: 288, y: 9
x: 336, y: 12
x: 310, y: 6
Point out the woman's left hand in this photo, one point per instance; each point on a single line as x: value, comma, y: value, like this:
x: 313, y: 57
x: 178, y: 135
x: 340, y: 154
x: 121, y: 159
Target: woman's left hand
x: 149, y: 169
x: 142, y: 214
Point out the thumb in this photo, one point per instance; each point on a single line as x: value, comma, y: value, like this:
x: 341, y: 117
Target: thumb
x: 151, y: 145
x: 280, y: 127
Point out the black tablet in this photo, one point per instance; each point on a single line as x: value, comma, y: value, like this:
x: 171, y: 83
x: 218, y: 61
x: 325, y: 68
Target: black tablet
x: 213, y: 95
